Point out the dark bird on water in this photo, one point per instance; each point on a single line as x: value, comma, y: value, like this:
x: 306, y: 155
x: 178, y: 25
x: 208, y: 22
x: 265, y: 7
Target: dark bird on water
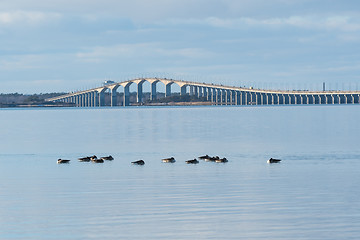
x: 204, y: 157
x: 211, y: 159
x: 139, y: 162
x: 273, y: 160
x: 84, y: 159
x: 169, y: 160
x: 97, y: 160
x: 194, y: 161
x: 62, y: 161
x: 107, y: 158
x: 221, y: 160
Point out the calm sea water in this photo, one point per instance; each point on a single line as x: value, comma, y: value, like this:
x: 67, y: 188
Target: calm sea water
x: 312, y: 194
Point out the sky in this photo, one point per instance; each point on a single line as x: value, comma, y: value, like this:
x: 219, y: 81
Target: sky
x: 63, y: 45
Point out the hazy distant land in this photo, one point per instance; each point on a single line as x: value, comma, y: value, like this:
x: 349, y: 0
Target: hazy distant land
x: 9, y: 100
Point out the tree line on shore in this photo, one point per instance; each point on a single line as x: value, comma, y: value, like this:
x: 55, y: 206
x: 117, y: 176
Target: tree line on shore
x: 19, y: 99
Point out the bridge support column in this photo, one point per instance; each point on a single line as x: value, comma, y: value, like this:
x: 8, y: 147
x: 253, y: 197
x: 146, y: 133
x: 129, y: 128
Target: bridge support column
x: 242, y: 98
x: 191, y: 90
x: 101, y: 98
x: 205, y: 93
x: 196, y: 92
x: 139, y: 97
x: 113, y: 97
x: 217, y: 98
x: 168, y: 90
x: 208, y: 94
x: 153, y: 91
x: 126, y: 95
x: 213, y: 95
x: 200, y: 92
x: 96, y: 99
x: 183, y: 90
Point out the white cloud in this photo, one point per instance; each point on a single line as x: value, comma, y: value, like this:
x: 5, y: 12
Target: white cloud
x: 140, y: 50
x: 26, y: 17
x: 341, y: 23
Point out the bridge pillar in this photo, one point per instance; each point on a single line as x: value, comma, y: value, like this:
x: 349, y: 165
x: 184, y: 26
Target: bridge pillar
x: 139, y: 96
x: 205, y: 92
x: 258, y: 98
x: 126, y: 95
x: 153, y: 91
x: 76, y: 101
x: 196, y: 92
x: 191, y: 90
x: 168, y: 90
x: 88, y: 99
x: 291, y: 99
x: 183, y: 90
x: 281, y: 99
x: 221, y: 97
x: 242, y: 98
x: 113, y: 97
x: 208, y: 94
x: 199, y: 92
x: 217, y: 98
x: 101, y: 98
x: 96, y: 99
x: 91, y: 99
x: 237, y: 98
x: 278, y: 99
x: 214, y: 95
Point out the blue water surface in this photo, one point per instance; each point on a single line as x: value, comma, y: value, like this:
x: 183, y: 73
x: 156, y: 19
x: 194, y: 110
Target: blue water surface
x: 312, y: 194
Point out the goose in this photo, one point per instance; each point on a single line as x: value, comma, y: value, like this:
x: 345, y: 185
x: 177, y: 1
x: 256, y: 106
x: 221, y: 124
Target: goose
x: 62, y: 161
x: 272, y: 160
x: 204, y: 157
x: 107, y: 158
x: 169, y: 160
x: 211, y: 159
x: 221, y: 160
x: 97, y: 160
x: 139, y: 162
x: 84, y: 159
x: 194, y: 161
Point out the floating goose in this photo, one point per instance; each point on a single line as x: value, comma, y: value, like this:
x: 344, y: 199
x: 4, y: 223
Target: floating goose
x: 204, y: 157
x: 272, y: 160
x: 169, y: 160
x: 62, y: 161
x: 97, y: 160
x: 107, y: 158
x: 84, y: 159
x: 221, y: 160
x: 139, y: 162
x: 194, y: 161
x: 211, y: 159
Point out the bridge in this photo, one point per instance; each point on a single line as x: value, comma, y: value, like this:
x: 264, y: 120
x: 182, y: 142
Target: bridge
x: 214, y: 93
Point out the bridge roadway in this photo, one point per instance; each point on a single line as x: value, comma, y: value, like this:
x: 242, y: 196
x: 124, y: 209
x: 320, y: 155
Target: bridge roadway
x: 217, y: 94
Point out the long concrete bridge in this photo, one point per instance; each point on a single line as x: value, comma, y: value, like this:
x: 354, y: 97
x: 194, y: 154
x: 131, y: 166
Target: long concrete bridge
x: 216, y: 94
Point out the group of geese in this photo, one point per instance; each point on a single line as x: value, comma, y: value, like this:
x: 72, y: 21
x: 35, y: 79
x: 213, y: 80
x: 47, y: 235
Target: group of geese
x: 206, y: 158
x: 93, y: 158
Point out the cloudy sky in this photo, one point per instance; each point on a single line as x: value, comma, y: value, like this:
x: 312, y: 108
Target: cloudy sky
x: 66, y: 45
